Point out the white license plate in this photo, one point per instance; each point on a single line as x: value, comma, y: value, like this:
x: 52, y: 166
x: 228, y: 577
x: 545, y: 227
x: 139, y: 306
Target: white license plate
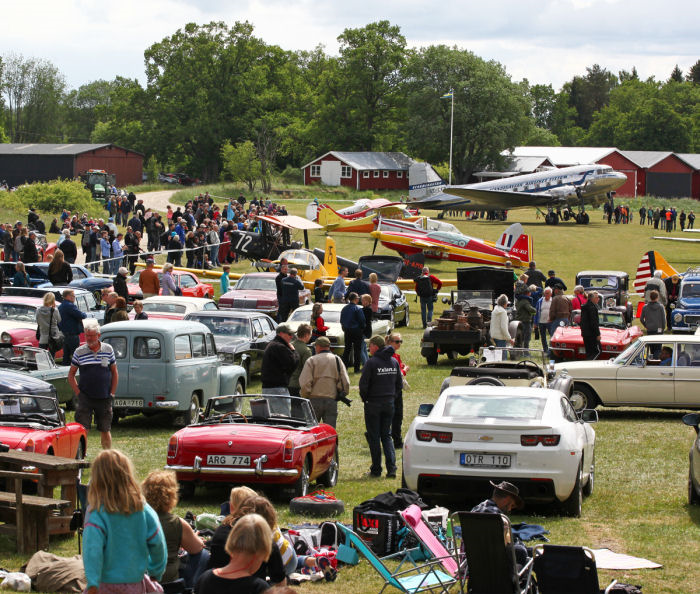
x: 226, y: 460
x: 427, y: 345
x: 481, y: 460
x: 582, y: 350
x: 128, y: 403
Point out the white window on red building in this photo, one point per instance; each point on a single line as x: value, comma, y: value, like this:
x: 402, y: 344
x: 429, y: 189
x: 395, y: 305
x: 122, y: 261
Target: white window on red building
x: 315, y: 171
x: 365, y: 174
x: 399, y: 174
x: 385, y: 174
x: 376, y: 173
x: 346, y: 171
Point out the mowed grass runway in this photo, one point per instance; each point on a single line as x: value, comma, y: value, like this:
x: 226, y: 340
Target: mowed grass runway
x: 639, y: 505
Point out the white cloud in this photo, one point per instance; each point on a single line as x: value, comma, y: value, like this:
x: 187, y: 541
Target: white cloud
x: 546, y: 41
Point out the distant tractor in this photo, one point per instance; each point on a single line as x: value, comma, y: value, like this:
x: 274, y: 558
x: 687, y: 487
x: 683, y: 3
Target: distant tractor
x: 98, y: 182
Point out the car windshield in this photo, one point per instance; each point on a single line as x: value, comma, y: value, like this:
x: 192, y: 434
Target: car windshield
x: 17, y: 312
x: 301, y: 259
x: 23, y: 409
x: 608, y: 319
x: 690, y: 290
x: 512, y: 356
x: 220, y: 326
x: 627, y: 354
x: 304, y: 315
x: 498, y: 407
x: 174, y: 308
x: 598, y: 282
x: 261, y: 410
x: 256, y: 283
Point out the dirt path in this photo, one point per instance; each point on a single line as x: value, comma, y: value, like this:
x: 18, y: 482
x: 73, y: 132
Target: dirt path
x: 157, y: 200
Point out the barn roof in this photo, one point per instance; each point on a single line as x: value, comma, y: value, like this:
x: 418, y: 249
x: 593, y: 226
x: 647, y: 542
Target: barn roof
x: 39, y: 149
x: 692, y: 159
x: 516, y: 166
x: 365, y: 160
x: 562, y: 156
x: 645, y: 159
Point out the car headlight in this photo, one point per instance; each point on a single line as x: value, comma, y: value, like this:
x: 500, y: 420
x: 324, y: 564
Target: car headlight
x: 610, y: 302
x: 5, y: 337
x: 676, y: 318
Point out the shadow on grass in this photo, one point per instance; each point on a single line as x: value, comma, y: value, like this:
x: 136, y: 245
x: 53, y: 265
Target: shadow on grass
x: 644, y: 414
x: 694, y: 513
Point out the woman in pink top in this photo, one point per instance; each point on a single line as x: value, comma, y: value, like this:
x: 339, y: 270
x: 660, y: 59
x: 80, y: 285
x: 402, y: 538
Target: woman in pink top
x: 374, y: 290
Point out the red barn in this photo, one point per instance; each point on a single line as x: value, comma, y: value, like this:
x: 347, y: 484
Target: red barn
x: 693, y: 160
x: 661, y: 173
x: 359, y: 170
x: 25, y: 163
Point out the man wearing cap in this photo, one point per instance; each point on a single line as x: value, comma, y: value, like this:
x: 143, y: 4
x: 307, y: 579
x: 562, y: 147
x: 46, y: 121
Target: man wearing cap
x: 534, y: 275
x: 323, y: 377
x: 279, y: 361
x: 504, y: 499
x: 148, y: 280
x: 554, y: 280
x: 290, y: 286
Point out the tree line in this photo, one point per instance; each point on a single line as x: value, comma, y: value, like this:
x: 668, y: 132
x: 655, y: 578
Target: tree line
x: 217, y: 98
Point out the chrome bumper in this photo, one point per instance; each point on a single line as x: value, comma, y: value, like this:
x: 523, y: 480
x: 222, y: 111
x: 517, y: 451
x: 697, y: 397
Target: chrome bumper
x: 285, y: 472
x: 166, y: 404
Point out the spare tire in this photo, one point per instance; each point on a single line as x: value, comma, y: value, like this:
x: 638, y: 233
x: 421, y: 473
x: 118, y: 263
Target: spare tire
x: 485, y: 381
x: 316, y: 506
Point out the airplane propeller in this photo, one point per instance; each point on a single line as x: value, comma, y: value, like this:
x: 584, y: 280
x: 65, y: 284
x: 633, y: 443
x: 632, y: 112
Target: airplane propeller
x: 374, y: 248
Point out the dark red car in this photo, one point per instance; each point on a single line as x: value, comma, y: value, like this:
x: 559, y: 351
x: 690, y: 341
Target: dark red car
x: 258, y: 291
x: 256, y: 440
x: 36, y: 424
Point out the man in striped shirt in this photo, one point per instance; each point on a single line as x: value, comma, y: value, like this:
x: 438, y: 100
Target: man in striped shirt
x: 98, y: 382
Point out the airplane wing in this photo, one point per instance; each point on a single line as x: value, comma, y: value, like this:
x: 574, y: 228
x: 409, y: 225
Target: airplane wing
x: 502, y: 200
x: 686, y: 239
x: 428, y: 245
x: 290, y: 222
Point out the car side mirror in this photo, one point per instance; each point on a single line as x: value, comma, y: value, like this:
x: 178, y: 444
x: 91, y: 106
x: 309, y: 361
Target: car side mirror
x: 589, y: 415
x: 424, y: 409
x: 693, y: 420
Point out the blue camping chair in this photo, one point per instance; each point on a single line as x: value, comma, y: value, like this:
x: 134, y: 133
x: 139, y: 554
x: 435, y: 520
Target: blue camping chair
x: 419, y: 578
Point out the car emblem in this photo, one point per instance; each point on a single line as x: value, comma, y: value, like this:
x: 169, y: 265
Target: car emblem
x: 485, y: 438
x: 230, y: 443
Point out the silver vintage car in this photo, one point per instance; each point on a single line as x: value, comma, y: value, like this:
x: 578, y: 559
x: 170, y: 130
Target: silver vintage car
x: 169, y: 365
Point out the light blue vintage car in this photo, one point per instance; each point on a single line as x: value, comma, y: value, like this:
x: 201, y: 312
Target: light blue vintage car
x: 168, y: 365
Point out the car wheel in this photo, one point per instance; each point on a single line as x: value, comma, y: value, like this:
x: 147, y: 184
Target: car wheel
x: 80, y: 455
x: 572, y: 506
x: 191, y: 415
x: 301, y: 487
x: 186, y: 489
x: 316, y: 507
x: 693, y: 497
x: 588, y: 487
x: 432, y: 358
x: 240, y: 388
x: 582, y: 397
x: 330, y: 477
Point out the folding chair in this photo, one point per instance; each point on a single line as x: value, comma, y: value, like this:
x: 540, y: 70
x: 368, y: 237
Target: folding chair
x: 566, y: 570
x: 413, y: 519
x: 491, y: 566
x: 419, y: 578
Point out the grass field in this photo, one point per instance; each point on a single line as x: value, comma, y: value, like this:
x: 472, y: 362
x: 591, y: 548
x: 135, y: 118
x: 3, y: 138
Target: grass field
x: 639, y: 505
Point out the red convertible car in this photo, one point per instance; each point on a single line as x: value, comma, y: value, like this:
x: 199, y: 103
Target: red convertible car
x: 36, y: 424
x: 615, y: 336
x: 258, y: 440
x: 189, y: 283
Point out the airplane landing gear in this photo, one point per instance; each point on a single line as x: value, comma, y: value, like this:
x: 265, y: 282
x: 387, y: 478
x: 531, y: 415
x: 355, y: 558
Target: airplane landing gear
x: 551, y: 218
x: 582, y: 218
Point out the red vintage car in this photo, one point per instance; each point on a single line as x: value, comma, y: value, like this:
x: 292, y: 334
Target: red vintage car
x: 189, y: 283
x: 256, y: 440
x: 36, y: 424
x: 615, y: 336
x: 258, y: 291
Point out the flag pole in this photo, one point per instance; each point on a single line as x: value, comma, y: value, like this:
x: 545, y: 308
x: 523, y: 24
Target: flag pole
x: 452, y: 119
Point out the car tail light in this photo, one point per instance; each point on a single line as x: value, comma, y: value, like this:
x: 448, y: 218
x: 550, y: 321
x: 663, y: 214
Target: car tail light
x: 288, y: 450
x: 172, y: 447
x: 29, y: 447
x: 545, y: 440
x: 439, y: 436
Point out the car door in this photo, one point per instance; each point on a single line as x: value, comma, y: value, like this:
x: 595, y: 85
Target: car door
x: 147, y: 372
x: 206, y: 368
x: 686, y: 374
x: 644, y: 380
x: 258, y: 344
x: 188, y: 285
x: 120, y: 344
x: 581, y: 431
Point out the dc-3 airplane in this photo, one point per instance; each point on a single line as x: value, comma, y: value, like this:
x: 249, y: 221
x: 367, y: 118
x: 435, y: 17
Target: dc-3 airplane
x: 555, y: 189
x: 407, y: 239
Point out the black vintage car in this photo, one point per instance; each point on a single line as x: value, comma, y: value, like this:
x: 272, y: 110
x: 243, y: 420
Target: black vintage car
x: 392, y: 301
x: 240, y: 335
x: 613, y: 286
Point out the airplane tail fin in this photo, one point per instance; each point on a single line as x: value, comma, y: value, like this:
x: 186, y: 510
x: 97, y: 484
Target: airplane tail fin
x: 518, y: 245
x: 328, y: 217
x: 651, y: 262
x: 312, y: 209
x: 330, y: 262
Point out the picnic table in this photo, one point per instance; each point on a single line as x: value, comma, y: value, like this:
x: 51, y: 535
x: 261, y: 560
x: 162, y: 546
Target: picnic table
x: 34, y: 518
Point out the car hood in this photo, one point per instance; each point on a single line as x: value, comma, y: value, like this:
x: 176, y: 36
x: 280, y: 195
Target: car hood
x: 387, y: 268
x: 15, y: 382
x: 252, y: 294
x: 689, y: 303
x: 245, y: 438
x: 16, y: 437
x: 228, y: 343
x: 580, y: 368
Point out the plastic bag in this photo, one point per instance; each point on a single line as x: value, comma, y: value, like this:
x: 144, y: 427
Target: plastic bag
x: 19, y: 582
x: 208, y: 521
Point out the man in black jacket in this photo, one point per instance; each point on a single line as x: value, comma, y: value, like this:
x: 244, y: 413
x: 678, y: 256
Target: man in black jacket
x: 29, y: 253
x: 69, y: 249
x: 279, y: 362
x: 380, y: 382
x: 590, y: 332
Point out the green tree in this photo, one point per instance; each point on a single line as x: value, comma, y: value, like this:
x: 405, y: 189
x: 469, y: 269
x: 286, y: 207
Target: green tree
x: 152, y: 169
x: 491, y: 113
x: 655, y: 126
x: 624, y: 75
x: 693, y: 75
x: 590, y: 93
x: 241, y: 163
x: 543, y: 99
x: 84, y: 107
x: 676, y: 75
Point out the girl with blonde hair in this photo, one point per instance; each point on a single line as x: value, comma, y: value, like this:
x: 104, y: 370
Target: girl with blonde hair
x: 47, y: 320
x: 124, y: 544
x: 60, y: 273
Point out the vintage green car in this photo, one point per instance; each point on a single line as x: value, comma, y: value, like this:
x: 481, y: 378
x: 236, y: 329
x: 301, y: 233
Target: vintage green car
x: 168, y: 366
x: 39, y: 364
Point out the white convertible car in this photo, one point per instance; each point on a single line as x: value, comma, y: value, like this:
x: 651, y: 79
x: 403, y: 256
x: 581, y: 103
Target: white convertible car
x: 530, y: 437
x: 659, y: 371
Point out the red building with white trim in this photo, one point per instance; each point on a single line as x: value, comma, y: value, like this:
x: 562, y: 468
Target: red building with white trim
x: 359, y: 170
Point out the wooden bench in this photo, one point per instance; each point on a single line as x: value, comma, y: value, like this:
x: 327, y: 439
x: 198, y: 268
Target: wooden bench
x: 28, y: 517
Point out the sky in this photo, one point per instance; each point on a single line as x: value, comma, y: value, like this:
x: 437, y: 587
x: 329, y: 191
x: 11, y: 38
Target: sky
x: 544, y: 41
